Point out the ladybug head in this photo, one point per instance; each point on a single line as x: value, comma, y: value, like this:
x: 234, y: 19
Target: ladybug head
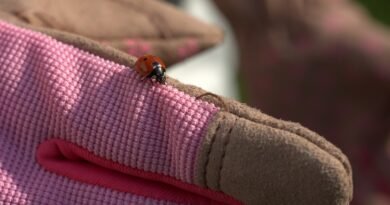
x: 159, y: 72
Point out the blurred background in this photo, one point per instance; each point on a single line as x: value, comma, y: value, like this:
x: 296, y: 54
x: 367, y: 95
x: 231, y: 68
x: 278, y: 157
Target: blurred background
x: 215, y: 69
x: 322, y: 63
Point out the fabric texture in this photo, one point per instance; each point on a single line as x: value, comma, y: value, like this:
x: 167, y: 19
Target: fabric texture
x: 243, y: 152
x: 51, y: 89
x: 72, y: 161
x: 132, y: 26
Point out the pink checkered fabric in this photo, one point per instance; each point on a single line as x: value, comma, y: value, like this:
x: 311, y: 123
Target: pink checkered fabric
x: 52, y: 90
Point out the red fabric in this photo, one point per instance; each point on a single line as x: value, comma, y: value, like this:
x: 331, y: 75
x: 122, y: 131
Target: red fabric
x: 73, y: 161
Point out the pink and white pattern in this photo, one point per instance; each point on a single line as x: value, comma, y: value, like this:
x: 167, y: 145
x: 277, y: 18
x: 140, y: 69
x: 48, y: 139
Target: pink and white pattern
x: 50, y: 89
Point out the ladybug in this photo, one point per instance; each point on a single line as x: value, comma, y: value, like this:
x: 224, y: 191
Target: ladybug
x: 150, y: 66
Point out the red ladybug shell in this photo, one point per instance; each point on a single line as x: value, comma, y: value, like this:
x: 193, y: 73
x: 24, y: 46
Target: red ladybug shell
x: 144, y: 64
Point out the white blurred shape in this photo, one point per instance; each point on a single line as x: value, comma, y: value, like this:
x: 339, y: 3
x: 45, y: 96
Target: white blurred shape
x: 213, y: 70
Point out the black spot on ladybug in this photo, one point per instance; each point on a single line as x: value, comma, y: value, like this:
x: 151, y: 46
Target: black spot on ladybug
x: 145, y: 59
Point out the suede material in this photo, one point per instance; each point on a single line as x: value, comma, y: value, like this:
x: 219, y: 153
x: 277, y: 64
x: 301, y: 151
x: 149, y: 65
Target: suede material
x: 213, y: 154
x: 259, y: 164
x: 244, y: 111
x: 135, y: 27
x: 269, y: 161
x: 252, y: 156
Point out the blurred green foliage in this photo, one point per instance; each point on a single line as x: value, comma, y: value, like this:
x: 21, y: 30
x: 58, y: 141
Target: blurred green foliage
x: 379, y: 9
x: 242, y: 88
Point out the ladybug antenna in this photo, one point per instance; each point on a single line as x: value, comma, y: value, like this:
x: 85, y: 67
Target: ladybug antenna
x: 222, y: 102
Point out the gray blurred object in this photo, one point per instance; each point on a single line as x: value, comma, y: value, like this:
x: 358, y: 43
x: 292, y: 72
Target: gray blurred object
x: 324, y: 64
x: 214, y: 69
x: 175, y: 2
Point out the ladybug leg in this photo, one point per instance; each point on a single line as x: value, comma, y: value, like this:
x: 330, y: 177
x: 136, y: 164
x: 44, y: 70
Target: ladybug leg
x: 150, y: 75
x: 164, y: 80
